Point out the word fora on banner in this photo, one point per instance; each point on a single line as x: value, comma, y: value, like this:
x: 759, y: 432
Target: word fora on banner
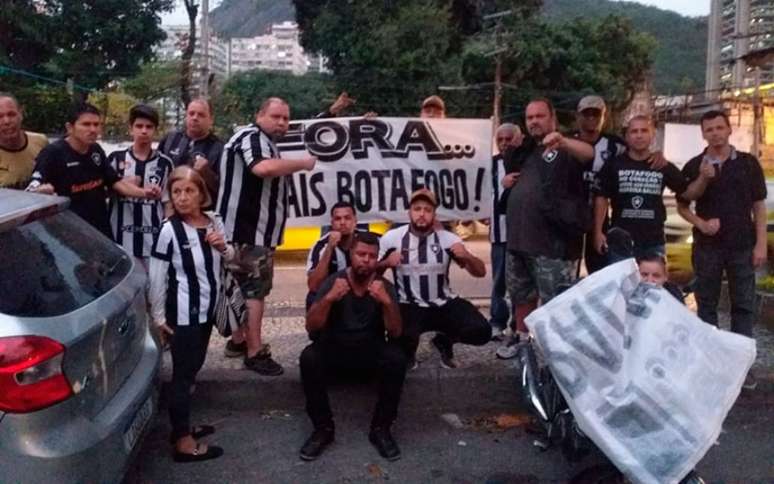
x: 376, y: 164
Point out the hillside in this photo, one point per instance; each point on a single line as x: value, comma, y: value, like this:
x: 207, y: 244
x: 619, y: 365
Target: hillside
x: 679, y: 62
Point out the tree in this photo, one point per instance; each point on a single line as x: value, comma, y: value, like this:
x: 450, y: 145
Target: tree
x: 307, y: 95
x: 192, y: 9
x: 388, y: 54
x: 88, y: 41
x: 154, y: 81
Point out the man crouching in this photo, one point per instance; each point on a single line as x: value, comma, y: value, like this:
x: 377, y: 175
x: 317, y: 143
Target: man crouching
x: 347, y: 323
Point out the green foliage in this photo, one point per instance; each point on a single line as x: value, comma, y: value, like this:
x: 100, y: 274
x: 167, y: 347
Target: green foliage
x: 115, y: 108
x: 45, y: 106
x: 243, y: 93
x: 155, y: 80
x: 680, y: 49
x: 766, y: 284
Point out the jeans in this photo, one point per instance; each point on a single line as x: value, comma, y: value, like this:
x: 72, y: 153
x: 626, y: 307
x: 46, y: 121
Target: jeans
x: 709, y: 263
x: 499, y: 310
x: 319, y: 362
x: 189, y: 349
x: 458, y: 321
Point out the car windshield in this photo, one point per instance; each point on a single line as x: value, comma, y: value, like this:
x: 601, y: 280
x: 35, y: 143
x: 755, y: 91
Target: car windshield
x: 56, y: 265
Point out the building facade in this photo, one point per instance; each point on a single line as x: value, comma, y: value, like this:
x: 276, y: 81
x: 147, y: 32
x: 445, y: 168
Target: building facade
x: 739, y: 32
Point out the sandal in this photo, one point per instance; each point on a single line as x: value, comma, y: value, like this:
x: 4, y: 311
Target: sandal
x: 213, y: 452
x: 197, y: 432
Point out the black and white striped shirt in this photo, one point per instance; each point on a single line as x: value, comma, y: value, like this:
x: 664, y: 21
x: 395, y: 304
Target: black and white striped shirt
x: 339, y: 260
x: 422, y: 278
x: 254, y: 209
x: 184, y: 273
x: 607, y: 147
x: 136, y: 221
x: 497, y: 230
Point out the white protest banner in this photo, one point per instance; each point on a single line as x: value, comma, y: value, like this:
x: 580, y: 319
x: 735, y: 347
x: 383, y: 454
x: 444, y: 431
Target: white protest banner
x: 375, y: 163
x: 647, y: 380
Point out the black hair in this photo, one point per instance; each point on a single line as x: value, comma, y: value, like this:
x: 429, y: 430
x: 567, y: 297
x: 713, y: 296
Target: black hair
x: 80, y: 109
x: 653, y: 257
x: 712, y: 115
x: 368, y: 238
x: 343, y: 204
x: 143, y: 111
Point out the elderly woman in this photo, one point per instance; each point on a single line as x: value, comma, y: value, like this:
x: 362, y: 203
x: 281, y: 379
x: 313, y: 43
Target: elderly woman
x: 185, y: 275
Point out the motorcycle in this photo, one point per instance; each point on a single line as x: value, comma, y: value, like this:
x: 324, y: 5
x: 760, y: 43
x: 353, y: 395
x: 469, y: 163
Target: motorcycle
x: 557, y: 423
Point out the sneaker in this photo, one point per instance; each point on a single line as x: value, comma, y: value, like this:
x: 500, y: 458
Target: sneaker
x: 510, y: 349
x: 263, y: 364
x: 750, y: 382
x: 235, y: 350
x: 316, y: 443
x: 381, y: 438
x: 444, y: 347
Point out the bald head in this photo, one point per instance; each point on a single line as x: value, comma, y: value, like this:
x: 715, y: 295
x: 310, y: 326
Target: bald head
x: 11, y: 134
x: 273, y: 117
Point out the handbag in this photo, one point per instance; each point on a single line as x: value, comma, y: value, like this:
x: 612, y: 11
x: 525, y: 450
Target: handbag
x: 230, y: 307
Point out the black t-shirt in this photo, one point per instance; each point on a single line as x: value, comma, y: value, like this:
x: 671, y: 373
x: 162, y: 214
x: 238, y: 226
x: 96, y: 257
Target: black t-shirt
x: 183, y: 150
x: 729, y: 197
x: 528, y: 229
x: 636, y: 193
x: 85, y: 178
x: 353, y: 320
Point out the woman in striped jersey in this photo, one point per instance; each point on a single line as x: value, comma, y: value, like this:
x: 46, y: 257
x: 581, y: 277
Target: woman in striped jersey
x: 185, y: 274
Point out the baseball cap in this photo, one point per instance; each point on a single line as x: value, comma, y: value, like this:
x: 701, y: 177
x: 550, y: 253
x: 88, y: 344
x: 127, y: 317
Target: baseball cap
x: 424, y: 194
x: 591, y: 102
x: 434, y: 101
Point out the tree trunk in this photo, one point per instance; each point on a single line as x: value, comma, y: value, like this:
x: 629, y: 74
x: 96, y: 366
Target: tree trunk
x: 192, y: 8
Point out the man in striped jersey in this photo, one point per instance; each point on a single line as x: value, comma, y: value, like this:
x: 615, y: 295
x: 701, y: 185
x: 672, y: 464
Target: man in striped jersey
x: 197, y: 146
x: 253, y: 203
x: 506, y: 135
x: 136, y: 222
x: 419, y: 254
x: 330, y: 254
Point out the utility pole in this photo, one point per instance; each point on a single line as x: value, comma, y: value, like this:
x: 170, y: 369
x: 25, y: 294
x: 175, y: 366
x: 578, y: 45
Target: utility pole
x: 497, y: 54
x: 205, y: 36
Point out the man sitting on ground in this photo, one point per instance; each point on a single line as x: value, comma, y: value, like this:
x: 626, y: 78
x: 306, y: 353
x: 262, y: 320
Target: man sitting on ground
x: 347, y: 322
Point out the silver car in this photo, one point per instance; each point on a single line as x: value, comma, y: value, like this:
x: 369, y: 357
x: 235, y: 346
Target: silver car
x: 78, y: 365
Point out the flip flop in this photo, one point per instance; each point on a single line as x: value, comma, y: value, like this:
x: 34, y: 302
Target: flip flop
x: 197, y: 432
x: 213, y: 452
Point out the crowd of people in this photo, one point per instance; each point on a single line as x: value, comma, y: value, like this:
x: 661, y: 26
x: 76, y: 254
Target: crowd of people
x: 196, y: 207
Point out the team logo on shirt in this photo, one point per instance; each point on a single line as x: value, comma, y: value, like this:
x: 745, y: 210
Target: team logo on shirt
x: 154, y: 180
x: 637, y: 202
x: 435, y: 248
x: 550, y: 156
x: 606, y: 155
x: 96, y: 158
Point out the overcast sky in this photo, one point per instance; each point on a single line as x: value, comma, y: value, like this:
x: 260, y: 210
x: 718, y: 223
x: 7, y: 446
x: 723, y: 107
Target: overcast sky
x: 685, y: 7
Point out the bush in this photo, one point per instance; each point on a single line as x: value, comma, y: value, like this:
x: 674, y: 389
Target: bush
x: 766, y: 284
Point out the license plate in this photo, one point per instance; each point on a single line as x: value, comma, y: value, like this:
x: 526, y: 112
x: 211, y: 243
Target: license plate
x: 141, y: 419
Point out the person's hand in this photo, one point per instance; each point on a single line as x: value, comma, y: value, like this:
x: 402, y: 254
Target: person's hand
x: 341, y: 103
x: 760, y: 253
x: 510, y: 179
x: 200, y: 163
x: 458, y: 251
x: 339, y: 289
x: 600, y: 243
x: 377, y: 291
x: 393, y: 260
x: 216, y: 240
x: 553, y: 141
x: 334, y: 237
x: 707, y: 170
x: 370, y: 115
x: 657, y: 160
x: 308, y: 163
x: 709, y: 227
x: 45, y: 188
x: 165, y: 332
x: 152, y: 192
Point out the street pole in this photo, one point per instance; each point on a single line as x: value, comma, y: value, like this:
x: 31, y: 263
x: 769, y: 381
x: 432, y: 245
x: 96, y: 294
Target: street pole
x: 757, y: 113
x: 498, y: 92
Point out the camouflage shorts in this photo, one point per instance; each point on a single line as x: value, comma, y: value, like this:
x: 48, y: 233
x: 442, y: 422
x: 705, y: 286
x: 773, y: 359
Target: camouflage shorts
x: 253, y: 268
x: 530, y: 277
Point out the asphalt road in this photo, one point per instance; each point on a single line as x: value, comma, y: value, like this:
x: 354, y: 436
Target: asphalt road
x: 261, y: 422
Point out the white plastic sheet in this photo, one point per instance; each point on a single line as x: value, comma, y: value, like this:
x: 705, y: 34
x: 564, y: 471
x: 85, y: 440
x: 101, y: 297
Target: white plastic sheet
x: 647, y: 380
